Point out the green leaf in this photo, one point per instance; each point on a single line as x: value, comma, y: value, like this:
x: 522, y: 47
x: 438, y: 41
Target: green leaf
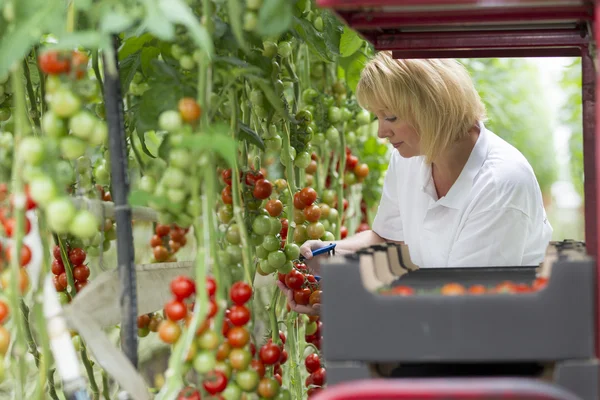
x: 350, y: 42
x: 353, y: 66
x: 142, y: 137
x: 332, y: 32
x: 275, y: 17
x: 156, y: 23
x: 305, y: 30
x: 88, y: 39
x: 178, y: 12
x: 133, y: 44
x: 115, y: 22
x: 247, y: 134
x: 236, y: 9
x: 270, y: 95
x: 128, y: 68
x: 148, y: 54
x: 15, y: 44
x: 164, y: 148
x: 160, y: 97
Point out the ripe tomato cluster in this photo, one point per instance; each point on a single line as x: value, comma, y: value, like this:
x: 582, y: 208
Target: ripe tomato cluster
x: 312, y: 220
x: 79, y: 270
x: 54, y: 62
x: 177, y: 309
x: 305, y: 286
x: 458, y: 289
x: 356, y: 172
x: 4, y: 333
x: 167, y: 241
x: 317, y: 375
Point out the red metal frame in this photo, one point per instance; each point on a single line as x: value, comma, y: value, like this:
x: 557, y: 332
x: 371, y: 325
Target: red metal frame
x: 520, y: 30
x: 454, y: 389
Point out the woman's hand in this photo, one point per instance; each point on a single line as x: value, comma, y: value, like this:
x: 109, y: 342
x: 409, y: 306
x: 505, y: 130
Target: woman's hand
x: 307, y: 247
x: 308, y: 309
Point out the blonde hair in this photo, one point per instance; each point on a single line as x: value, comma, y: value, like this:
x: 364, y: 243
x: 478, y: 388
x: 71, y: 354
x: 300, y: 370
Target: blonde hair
x: 435, y: 96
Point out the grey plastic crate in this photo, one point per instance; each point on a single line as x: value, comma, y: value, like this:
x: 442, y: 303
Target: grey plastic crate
x: 555, y: 323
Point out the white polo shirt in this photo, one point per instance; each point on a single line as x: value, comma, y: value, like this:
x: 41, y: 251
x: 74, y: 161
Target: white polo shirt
x: 493, y: 215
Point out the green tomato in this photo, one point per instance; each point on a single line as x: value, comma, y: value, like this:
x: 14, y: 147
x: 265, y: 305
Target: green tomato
x: 261, y: 252
x: 53, y: 126
x: 255, y: 239
x: 284, y: 49
x: 224, y: 368
x: 72, y: 147
x: 318, y: 139
x: 363, y: 118
x: 266, y: 267
x: 31, y: 150
x: 274, y: 144
x: 42, y: 190
x: 176, y: 195
x: 275, y: 226
x: 286, y: 268
x: 333, y: 216
x: 64, y: 103
x: 180, y: 158
x: 257, y: 98
x: 328, y: 197
x: 176, y: 51
x: 5, y: 114
x: 233, y: 234
x: 99, y: 134
x: 253, y: 4
x: 292, y: 251
x: 205, y: 361
x: 223, y: 258
x: 232, y: 392
x: 309, y: 95
x: 250, y: 21
x: 277, y: 259
x: 318, y: 24
x: 208, y: 340
x: 59, y: 213
x: 328, y: 237
x: 346, y: 114
x: 148, y: 183
x: 247, y: 380
x: 284, y: 394
x: 302, y: 160
x: 333, y: 136
x: 102, y: 174
x: 187, y: 62
x: 84, y: 225
x: 174, y: 178
x: 269, y: 49
x: 334, y: 114
x: 271, y: 243
x: 169, y: 121
x: 261, y: 225
x: 235, y: 253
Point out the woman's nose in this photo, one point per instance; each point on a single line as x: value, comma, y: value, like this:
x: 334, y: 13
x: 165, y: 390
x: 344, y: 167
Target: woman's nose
x: 383, y: 132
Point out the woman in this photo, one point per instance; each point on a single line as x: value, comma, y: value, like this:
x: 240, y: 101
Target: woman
x: 455, y: 193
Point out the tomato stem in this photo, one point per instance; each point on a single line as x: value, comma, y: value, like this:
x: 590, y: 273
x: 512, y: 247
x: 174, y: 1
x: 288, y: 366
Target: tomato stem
x: 22, y: 129
x: 42, y: 83
x: 292, y: 341
x: 340, y: 182
x: 90, y: 371
x: 96, y: 68
x: 290, y: 178
x: 272, y: 309
x: 35, y: 116
x: 64, y: 255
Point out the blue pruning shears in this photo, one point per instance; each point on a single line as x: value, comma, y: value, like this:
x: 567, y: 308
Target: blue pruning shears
x: 330, y: 249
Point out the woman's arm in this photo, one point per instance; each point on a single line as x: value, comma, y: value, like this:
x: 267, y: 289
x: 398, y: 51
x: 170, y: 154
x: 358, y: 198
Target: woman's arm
x: 345, y: 246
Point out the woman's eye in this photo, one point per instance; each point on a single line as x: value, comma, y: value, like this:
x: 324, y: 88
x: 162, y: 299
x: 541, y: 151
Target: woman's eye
x: 391, y: 119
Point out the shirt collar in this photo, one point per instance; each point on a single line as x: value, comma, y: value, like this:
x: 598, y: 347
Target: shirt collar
x: 457, y: 195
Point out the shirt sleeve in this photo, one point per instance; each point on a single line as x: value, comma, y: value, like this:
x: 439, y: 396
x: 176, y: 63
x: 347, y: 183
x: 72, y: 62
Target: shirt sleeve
x: 491, y: 238
x: 388, y: 222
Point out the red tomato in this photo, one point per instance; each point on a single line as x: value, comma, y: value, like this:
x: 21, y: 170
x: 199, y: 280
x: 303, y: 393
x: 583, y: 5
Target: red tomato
x: 262, y: 189
x: 162, y: 230
x: 212, y: 308
x: 79, y: 63
x: 270, y: 353
x: 77, y: 256
x: 175, y: 310
x: 11, y: 224
x: 343, y: 232
x: 312, y: 363
x: 189, y: 109
x: 294, y: 280
x: 308, y: 196
x: 25, y: 254
x: 239, y: 315
x: 169, y: 331
x: 215, y: 382
x: 81, y: 273
x: 156, y: 241
x: 319, y: 377
x: 312, y: 213
x: 453, y: 289
x: 403, y: 290
x: 211, y: 286
x: 302, y: 296
x: 183, y: 287
x: 274, y: 207
x: 361, y: 171
x: 4, y: 311
x: 57, y: 267
x: 52, y: 62
x: 258, y: 366
x: 298, y: 203
x: 253, y: 176
x: 226, y: 195
x: 226, y: 176
x: 240, y: 293
x: 238, y: 336
x: 143, y: 321
x: 189, y: 393
x: 284, y: 228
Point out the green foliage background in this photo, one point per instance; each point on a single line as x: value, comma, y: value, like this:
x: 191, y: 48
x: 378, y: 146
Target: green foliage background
x: 511, y: 90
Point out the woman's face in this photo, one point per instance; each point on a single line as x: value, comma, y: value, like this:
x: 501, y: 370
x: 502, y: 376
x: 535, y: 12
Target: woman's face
x: 401, y: 135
